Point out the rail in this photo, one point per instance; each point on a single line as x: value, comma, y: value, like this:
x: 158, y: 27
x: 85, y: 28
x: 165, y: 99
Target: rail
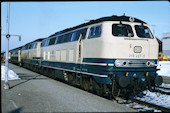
x: 163, y: 109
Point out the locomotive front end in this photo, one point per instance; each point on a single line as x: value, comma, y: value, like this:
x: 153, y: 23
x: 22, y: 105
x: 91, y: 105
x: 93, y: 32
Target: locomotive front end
x: 135, y: 50
x: 133, y: 76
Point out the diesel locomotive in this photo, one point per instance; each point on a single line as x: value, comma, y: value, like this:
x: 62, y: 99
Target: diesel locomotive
x: 108, y: 56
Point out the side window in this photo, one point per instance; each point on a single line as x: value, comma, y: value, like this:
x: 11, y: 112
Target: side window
x: 46, y: 42
x: 43, y: 43
x: 91, y: 32
x: 74, y: 36
x: 83, y: 32
x: 67, y: 37
x: 35, y: 45
x: 23, y: 48
x: 77, y: 35
x: 26, y: 47
x: 95, y: 32
x: 79, y: 32
x: 60, y: 39
x: 52, y: 41
x: 32, y: 45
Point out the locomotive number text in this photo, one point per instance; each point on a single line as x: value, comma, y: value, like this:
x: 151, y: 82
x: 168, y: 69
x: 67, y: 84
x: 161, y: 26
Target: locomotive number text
x: 136, y: 55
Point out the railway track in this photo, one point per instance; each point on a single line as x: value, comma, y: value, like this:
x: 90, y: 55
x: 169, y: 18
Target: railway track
x: 163, y: 109
x: 163, y: 90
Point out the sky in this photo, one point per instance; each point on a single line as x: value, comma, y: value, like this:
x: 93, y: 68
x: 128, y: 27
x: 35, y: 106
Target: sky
x: 34, y: 20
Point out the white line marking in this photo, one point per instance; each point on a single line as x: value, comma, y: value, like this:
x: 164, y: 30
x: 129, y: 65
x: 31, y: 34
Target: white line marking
x: 14, y: 104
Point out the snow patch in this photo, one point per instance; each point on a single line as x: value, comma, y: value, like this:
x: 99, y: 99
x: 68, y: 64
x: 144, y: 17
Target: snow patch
x: 165, y: 85
x: 152, y: 97
x: 141, y: 108
x: 11, y: 74
x: 164, y: 67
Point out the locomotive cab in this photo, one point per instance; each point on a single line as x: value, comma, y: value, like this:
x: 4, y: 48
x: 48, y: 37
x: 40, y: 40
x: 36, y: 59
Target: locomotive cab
x: 134, y: 50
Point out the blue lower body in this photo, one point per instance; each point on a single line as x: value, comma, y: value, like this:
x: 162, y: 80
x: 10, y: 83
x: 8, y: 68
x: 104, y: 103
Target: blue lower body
x: 103, y: 74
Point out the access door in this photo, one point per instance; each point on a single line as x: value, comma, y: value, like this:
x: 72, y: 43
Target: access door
x: 80, y: 49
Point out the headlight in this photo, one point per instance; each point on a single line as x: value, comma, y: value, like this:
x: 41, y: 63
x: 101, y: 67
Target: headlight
x: 118, y: 63
x: 151, y: 63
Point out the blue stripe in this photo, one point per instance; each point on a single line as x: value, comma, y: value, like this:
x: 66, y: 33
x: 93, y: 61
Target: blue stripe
x: 110, y: 61
x: 99, y: 60
x: 95, y: 69
x: 132, y: 69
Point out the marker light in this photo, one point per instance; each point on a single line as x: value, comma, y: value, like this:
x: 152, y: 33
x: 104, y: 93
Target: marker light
x: 148, y: 63
x: 124, y: 63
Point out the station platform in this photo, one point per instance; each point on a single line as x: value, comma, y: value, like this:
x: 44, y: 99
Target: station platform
x: 38, y: 93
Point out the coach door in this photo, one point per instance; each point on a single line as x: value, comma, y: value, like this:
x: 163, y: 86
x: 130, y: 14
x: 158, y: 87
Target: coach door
x: 79, y: 60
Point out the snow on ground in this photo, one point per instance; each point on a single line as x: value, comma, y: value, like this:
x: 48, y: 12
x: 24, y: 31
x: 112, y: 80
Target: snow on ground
x: 156, y: 98
x: 141, y: 108
x: 165, y: 85
x: 11, y: 74
x: 164, y: 67
x: 164, y: 90
x: 153, y: 97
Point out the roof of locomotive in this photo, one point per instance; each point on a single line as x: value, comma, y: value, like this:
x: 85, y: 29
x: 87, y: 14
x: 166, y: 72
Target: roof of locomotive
x: 109, y: 18
x: 37, y: 40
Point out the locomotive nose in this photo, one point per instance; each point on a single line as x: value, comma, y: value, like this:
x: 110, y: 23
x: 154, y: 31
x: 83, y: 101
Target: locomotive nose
x: 158, y: 80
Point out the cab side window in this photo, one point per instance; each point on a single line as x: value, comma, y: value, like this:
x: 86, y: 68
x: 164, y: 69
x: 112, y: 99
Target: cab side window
x: 95, y: 32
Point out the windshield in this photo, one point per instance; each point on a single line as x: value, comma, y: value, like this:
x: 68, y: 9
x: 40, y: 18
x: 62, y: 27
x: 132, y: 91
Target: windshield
x: 124, y: 30
x: 143, y: 31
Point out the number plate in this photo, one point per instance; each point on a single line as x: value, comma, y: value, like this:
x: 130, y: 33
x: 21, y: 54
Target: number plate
x: 137, y: 49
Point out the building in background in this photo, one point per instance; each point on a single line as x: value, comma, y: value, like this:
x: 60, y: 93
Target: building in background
x: 166, y: 44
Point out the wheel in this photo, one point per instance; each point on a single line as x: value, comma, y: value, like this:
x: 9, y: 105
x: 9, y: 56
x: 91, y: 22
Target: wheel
x: 70, y: 79
x: 86, y: 84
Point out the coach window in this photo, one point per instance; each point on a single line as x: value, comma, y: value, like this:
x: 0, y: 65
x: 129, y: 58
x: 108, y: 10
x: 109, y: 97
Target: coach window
x: 67, y: 37
x: 35, y: 45
x: 52, y: 41
x: 122, y: 30
x: 23, y: 48
x: 95, y: 32
x: 43, y: 43
x: 46, y: 42
x: 26, y: 47
x: 60, y: 39
x: 32, y: 45
x: 77, y: 35
x: 74, y: 36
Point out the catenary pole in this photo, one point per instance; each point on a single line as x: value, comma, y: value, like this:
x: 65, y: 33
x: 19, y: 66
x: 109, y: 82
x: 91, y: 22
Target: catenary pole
x: 6, y: 85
